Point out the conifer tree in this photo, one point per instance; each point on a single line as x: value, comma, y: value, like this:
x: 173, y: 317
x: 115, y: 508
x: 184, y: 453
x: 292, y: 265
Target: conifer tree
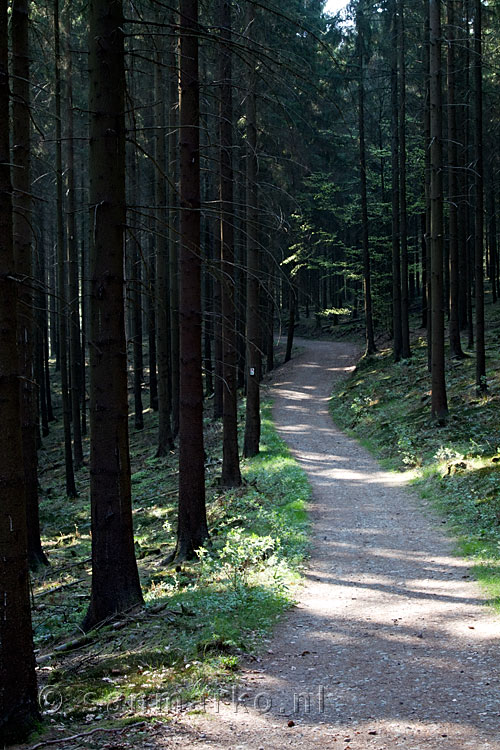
x: 18, y: 690
x: 115, y: 579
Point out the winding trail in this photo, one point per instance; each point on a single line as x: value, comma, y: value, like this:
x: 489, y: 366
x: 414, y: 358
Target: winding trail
x: 391, y: 645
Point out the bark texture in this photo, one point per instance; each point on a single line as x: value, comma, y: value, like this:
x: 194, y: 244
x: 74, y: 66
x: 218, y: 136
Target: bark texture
x: 479, y: 195
x: 367, y: 293
x: 231, y: 476
x: 396, y: 238
x: 254, y: 364
x: 18, y: 691
x: 23, y: 252
x: 439, y: 399
x: 192, y: 530
x: 115, y: 579
x: 165, y: 438
x: 62, y: 268
x: 453, y: 197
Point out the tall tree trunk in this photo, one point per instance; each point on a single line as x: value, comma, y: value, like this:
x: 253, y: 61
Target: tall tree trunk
x: 291, y: 323
x: 269, y: 317
x: 41, y: 323
x: 84, y: 273
x: 173, y: 246
x: 427, y: 187
x: 423, y: 249
x: 439, y: 399
x: 23, y: 253
x: 231, y: 476
x: 136, y: 326
x: 469, y: 231
x: 115, y: 579
x: 403, y: 221
x: 192, y: 529
x: 217, y: 327
x: 75, y: 350
x: 133, y: 265
x: 396, y: 236
x: 62, y: 270
x: 367, y: 293
x: 208, y: 314
x: 54, y: 306
x: 462, y: 160
x: 18, y: 690
x: 254, y: 364
x: 492, y: 236
x: 165, y: 438
x: 453, y: 197
x: 240, y: 274
x: 151, y: 318
x: 479, y: 196
x: 217, y: 303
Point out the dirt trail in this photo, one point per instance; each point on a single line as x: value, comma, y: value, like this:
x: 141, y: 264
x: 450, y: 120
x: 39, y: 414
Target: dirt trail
x: 391, y: 645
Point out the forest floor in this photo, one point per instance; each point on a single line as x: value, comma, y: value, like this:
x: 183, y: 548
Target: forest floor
x: 390, y: 643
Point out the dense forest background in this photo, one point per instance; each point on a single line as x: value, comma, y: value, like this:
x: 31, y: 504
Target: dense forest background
x: 182, y: 186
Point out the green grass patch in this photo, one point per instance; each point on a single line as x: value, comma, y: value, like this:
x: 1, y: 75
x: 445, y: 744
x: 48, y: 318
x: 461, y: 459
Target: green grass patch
x: 457, y: 466
x: 200, y: 619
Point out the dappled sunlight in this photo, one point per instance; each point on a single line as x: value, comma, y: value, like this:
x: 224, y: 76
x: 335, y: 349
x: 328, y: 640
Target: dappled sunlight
x: 318, y: 464
x: 389, y: 625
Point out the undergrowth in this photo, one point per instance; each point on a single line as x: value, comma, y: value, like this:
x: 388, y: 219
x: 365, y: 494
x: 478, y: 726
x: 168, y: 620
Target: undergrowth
x: 456, y: 466
x: 200, y: 619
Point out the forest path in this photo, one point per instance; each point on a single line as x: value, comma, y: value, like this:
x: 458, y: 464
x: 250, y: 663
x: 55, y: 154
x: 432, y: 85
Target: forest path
x: 390, y: 645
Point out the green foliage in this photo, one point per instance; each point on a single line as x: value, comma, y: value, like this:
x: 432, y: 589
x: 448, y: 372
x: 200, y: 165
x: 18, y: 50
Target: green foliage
x: 199, y: 619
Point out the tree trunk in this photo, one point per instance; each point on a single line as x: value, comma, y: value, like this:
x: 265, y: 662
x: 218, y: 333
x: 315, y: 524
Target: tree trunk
x: 75, y: 350
x: 136, y: 327
x: 269, y: 317
x: 173, y: 251
x: 115, y: 579
x: 479, y: 195
x: 18, y: 690
x: 217, y: 327
x: 23, y: 253
x: 133, y: 265
x: 396, y: 251
x: 192, y: 529
x: 453, y: 197
x: 403, y: 221
x: 84, y: 274
x: 492, y: 237
x: 208, y: 314
x: 231, y: 476
x: 151, y: 319
x: 165, y: 438
x: 41, y: 323
x: 291, y: 323
x: 427, y: 188
x: 423, y: 250
x: 462, y: 175
x: 254, y: 365
x: 62, y: 271
x: 439, y: 400
x: 370, y: 338
x: 467, y: 191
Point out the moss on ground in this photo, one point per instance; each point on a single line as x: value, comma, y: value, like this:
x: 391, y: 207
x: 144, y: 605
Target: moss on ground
x: 200, y: 620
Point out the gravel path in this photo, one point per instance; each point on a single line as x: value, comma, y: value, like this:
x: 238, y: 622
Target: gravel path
x: 391, y: 645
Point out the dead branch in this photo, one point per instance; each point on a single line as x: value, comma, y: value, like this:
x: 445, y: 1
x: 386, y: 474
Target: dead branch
x: 61, y: 740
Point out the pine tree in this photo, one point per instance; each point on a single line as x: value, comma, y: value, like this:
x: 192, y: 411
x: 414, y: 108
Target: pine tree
x: 115, y: 579
x: 18, y: 690
x: 192, y: 529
